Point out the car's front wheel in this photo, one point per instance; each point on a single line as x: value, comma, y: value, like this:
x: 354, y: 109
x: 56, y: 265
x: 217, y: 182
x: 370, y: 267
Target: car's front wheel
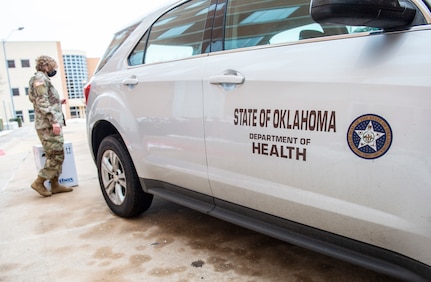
x: 118, y: 179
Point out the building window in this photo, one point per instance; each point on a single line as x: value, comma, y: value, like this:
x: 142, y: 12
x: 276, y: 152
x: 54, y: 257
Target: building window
x: 31, y: 115
x: 25, y: 63
x: 26, y: 91
x: 11, y: 64
x: 74, y: 112
x: 20, y: 115
x: 15, y: 91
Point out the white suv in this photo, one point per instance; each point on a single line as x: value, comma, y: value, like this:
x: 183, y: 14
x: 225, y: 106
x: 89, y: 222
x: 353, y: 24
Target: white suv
x: 309, y: 122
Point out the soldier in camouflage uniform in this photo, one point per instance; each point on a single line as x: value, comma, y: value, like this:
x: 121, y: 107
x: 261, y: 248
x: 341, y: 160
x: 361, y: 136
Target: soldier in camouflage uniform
x: 49, y: 120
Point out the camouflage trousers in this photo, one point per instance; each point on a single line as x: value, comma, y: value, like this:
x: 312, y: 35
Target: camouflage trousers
x: 53, y: 146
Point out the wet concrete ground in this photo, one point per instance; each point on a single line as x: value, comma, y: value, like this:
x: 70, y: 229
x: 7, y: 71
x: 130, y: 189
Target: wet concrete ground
x: 75, y: 237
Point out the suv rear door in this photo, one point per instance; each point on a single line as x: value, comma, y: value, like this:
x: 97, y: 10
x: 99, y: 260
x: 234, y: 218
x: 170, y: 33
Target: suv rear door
x: 164, y: 93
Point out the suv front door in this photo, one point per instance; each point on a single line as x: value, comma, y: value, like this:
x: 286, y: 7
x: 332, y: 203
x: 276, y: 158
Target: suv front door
x: 319, y: 129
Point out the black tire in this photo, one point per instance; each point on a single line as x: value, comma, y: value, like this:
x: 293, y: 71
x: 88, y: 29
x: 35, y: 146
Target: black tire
x: 118, y: 179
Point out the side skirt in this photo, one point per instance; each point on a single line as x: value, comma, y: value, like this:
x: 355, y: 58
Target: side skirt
x: 349, y: 250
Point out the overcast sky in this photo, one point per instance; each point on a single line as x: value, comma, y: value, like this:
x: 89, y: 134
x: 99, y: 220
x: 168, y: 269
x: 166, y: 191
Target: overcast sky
x: 86, y: 25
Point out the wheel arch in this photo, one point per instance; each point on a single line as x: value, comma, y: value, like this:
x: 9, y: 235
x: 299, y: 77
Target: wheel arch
x: 101, y: 130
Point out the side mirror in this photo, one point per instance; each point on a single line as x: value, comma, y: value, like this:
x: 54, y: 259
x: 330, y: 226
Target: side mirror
x: 386, y: 14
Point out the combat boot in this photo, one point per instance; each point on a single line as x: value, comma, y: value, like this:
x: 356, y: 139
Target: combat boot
x: 57, y: 188
x: 38, y: 186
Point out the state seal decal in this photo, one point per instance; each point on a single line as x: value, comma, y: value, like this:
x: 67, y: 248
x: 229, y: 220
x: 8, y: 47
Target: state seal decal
x: 369, y: 136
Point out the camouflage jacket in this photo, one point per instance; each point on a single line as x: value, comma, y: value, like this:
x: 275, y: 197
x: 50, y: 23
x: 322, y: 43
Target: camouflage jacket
x: 46, y: 101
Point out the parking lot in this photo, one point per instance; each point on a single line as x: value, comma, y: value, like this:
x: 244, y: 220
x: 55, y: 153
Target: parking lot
x: 75, y: 237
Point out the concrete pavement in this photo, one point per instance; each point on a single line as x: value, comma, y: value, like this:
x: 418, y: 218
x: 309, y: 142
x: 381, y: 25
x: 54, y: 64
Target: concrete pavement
x: 74, y: 236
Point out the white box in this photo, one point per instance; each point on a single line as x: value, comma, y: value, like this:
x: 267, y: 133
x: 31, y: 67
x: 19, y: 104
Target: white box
x: 68, y: 177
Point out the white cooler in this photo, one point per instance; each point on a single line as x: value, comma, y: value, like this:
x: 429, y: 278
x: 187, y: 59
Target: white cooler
x: 68, y: 177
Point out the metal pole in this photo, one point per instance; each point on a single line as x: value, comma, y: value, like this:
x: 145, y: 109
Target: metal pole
x: 7, y: 122
x: 8, y: 78
x: 7, y: 71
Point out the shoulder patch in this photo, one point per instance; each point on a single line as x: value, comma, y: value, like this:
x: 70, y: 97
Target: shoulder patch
x: 38, y: 83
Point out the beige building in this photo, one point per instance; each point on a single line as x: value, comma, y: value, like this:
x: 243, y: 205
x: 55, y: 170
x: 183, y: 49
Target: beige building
x: 92, y: 64
x: 21, y: 58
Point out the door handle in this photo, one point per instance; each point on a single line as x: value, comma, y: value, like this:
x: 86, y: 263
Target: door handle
x: 130, y: 81
x: 228, y: 77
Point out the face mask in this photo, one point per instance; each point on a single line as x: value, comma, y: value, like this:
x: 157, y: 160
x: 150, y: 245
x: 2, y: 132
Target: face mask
x: 52, y: 73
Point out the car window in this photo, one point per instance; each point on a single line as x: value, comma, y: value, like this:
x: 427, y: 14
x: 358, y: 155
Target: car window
x: 261, y: 22
x: 137, y: 55
x: 177, y: 34
x: 116, y: 42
